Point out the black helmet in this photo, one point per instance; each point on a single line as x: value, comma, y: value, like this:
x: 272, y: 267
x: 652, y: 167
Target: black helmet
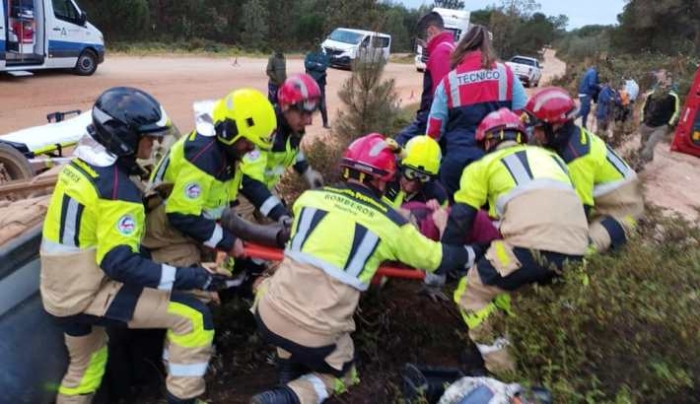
x: 121, y: 115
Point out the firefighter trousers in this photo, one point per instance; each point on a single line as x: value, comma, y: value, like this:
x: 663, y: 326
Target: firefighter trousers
x: 188, y: 345
x: 330, y: 358
x: 483, y: 295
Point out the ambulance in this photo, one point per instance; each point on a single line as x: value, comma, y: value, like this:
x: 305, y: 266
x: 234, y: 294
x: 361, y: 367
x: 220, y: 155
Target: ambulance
x: 48, y: 34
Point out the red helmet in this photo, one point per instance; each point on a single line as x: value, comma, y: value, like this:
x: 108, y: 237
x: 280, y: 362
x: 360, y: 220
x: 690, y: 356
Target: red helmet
x: 300, y: 91
x: 552, y: 105
x: 374, y: 155
x: 500, y: 125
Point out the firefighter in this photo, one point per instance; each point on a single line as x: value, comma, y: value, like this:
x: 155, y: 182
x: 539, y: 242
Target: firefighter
x: 339, y: 238
x: 298, y: 99
x: 541, y: 219
x: 200, y: 177
x: 92, y: 274
x: 416, y: 179
x: 609, y: 188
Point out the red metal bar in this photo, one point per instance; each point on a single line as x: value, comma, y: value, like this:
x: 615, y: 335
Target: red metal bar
x: 273, y: 254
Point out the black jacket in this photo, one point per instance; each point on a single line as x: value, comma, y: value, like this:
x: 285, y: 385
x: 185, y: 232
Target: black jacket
x: 661, y: 109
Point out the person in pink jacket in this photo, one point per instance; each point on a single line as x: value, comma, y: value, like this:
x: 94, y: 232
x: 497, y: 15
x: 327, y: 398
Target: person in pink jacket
x: 440, y: 46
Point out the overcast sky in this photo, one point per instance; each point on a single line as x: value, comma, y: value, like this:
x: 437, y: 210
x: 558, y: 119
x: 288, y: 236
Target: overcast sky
x: 580, y: 13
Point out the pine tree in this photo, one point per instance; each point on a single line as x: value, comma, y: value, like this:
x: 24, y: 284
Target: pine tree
x: 370, y: 103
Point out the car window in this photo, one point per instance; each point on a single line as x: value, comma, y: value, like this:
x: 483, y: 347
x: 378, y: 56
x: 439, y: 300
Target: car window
x: 456, y: 32
x: 524, y: 61
x: 64, y: 10
x: 341, y: 35
x: 380, y: 42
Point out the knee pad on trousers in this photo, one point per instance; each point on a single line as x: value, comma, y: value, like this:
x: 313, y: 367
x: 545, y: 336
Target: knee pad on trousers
x: 192, y: 304
x: 618, y: 237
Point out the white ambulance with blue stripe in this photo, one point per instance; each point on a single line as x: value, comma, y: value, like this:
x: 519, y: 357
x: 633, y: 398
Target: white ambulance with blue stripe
x: 48, y: 34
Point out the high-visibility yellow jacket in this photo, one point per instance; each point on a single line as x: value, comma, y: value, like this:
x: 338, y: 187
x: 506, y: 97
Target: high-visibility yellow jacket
x: 528, y: 188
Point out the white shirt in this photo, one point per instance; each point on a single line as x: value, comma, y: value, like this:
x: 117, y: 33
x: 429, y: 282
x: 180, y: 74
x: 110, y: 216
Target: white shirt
x: 632, y: 89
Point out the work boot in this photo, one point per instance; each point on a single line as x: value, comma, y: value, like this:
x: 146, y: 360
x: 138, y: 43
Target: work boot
x: 278, y: 395
x: 288, y: 370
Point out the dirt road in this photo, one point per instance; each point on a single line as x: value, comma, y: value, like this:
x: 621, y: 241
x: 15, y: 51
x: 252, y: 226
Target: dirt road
x: 175, y: 81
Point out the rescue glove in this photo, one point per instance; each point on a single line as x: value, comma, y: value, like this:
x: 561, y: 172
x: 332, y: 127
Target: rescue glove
x: 199, y: 278
x: 313, y: 178
x: 474, y: 253
x: 433, y: 285
x: 286, y: 221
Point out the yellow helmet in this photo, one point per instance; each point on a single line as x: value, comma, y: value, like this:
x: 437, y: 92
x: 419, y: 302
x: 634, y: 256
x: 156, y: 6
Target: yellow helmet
x: 245, y: 113
x: 422, y: 153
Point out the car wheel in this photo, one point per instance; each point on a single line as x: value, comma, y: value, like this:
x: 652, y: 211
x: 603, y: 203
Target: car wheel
x: 86, y: 64
x: 13, y: 165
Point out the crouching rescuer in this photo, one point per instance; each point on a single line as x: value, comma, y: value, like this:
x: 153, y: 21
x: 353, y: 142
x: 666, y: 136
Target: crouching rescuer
x: 607, y: 185
x: 339, y: 238
x: 541, y: 219
x: 92, y: 274
x: 299, y: 98
x: 200, y: 177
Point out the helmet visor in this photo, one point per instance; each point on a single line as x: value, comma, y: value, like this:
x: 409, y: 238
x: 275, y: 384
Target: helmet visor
x: 160, y: 128
x: 412, y: 174
x: 309, y: 105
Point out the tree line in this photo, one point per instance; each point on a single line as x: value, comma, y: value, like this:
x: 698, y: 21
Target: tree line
x: 302, y: 24
x: 662, y: 27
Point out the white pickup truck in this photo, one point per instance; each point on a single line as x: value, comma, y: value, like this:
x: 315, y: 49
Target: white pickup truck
x: 528, y: 70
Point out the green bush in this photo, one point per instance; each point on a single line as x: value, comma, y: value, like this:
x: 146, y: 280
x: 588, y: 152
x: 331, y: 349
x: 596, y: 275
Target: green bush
x: 622, y: 329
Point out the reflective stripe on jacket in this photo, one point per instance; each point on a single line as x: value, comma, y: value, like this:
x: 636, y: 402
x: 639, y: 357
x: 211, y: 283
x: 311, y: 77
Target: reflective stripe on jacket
x: 204, y: 182
x: 91, y: 238
x: 465, y: 96
x: 348, y: 232
x: 263, y: 169
x: 528, y: 188
x: 595, y: 168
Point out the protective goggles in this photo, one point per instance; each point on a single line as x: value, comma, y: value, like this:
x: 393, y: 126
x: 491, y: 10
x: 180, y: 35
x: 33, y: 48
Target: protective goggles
x: 310, y: 105
x: 412, y: 174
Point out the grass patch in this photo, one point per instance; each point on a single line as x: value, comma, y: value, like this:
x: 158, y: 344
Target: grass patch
x: 402, y: 58
x: 197, y: 47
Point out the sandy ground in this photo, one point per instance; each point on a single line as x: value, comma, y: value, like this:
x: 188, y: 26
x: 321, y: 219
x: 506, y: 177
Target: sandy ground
x: 174, y: 81
x: 178, y: 81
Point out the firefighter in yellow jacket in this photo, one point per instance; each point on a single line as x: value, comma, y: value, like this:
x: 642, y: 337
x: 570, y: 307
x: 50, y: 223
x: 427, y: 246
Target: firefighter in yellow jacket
x: 298, y: 98
x: 200, y: 177
x: 541, y: 218
x: 92, y: 272
x: 339, y: 238
x: 608, y: 187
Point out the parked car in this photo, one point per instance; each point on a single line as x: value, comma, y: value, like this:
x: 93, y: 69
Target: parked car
x: 344, y: 45
x: 528, y: 70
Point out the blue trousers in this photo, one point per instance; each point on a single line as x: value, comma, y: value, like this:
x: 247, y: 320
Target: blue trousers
x: 585, y: 109
x: 272, y: 92
x: 453, y: 164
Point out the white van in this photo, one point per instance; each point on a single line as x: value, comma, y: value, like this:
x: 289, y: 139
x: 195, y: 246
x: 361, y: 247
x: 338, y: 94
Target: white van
x: 343, y: 45
x: 48, y: 34
x: 456, y: 21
